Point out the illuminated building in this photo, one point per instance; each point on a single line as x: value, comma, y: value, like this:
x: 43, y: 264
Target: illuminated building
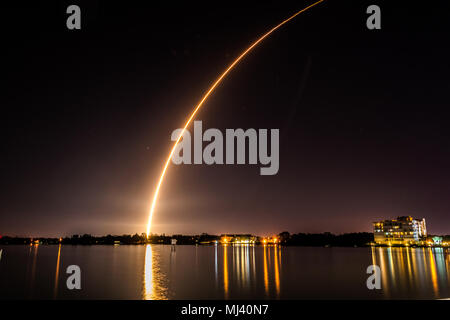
x: 401, y: 231
x: 437, y: 241
x: 237, y: 238
x: 270, y: 240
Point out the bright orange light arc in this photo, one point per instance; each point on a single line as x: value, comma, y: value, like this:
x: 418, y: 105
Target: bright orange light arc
x: 211, y: 89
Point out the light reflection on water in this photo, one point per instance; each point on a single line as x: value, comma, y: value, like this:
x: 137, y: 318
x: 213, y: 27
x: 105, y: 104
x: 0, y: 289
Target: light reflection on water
x: 154, y: 288
x: 244, y: 271
x: 225, y: 270
x: 404, y: 271
x: 414, y: 269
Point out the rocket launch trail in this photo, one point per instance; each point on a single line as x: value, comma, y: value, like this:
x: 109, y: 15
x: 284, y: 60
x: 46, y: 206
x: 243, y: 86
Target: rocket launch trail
x: 204, y: 98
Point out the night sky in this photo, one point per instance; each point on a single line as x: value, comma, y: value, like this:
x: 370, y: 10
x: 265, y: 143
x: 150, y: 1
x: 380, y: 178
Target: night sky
x: 87, y: 116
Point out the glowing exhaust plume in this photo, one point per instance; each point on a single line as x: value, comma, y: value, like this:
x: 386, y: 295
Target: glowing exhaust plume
x: 207, y: 94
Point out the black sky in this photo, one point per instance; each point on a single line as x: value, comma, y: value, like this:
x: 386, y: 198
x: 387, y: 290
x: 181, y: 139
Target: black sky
x: 87, y: 116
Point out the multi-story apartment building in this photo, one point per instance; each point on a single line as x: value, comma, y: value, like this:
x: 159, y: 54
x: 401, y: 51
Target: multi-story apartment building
x: 401, y: 231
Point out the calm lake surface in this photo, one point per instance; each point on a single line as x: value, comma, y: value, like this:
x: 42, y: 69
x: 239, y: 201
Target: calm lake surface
x: 222, y: 272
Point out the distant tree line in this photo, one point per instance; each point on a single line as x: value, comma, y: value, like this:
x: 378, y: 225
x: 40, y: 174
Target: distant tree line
x: 285, y: 238
x: 326, y: 239
x: 87, y: 239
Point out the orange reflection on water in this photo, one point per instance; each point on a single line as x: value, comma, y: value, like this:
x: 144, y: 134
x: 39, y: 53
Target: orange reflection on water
x: 418, y: 269
x: 434, y: 277
x: 277, y: 271
x: 153, y: 287
x: 384, y: 274
x: 244, y: 265
x: 410, y: 272
x: 391, y: 264
x: 447, y: 263
x: 266, y: 274
x: 225, y: 270
x: 253, y: 263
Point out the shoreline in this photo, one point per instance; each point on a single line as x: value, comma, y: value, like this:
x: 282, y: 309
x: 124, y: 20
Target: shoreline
x: 221, y: 245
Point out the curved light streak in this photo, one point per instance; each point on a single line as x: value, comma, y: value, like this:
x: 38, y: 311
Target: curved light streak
x: 207, y: 94
x: 55, y: 289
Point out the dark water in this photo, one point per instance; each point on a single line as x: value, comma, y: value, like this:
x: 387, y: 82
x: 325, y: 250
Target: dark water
x: 218, y: 272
